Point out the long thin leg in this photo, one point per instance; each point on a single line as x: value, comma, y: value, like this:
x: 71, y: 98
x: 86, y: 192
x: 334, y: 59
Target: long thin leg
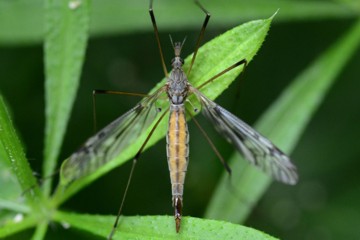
x: 241, y: 62
x: 201, y: 35
x: 97, y: 91
x: 156, y: 31
x: 137, y: 156
x: 227, y: 168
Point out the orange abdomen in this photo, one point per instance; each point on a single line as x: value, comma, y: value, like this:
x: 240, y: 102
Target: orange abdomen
x: 177, y: 148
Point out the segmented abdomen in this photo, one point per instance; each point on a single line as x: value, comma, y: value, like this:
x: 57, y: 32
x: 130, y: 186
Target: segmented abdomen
x: 177, y: 148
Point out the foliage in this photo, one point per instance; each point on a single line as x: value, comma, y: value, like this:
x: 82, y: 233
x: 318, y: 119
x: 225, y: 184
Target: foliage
x: 67, y: 27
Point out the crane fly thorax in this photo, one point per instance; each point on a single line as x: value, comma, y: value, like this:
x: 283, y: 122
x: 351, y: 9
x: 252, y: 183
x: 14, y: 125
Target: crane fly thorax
x: 177, y: 84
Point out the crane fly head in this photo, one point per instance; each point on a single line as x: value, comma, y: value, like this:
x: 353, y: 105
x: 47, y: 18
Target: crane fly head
x: 177, y: 61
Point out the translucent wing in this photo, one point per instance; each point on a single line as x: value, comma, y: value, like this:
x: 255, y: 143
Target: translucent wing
x: 111, y: 140
x: 254, y: 147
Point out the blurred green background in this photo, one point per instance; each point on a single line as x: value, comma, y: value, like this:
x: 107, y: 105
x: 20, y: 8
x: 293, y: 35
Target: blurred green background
x: 122, y: 55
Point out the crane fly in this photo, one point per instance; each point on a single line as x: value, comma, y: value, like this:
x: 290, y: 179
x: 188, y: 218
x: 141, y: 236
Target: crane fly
x: 119, y: 134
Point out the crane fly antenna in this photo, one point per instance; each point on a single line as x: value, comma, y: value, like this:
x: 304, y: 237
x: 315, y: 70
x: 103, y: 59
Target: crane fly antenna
x: 156, y: 31
x: 172, y: 42
x: 183, y: 42
x: 201, y: 35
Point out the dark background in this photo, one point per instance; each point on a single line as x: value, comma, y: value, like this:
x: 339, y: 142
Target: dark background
x: 326, y: 200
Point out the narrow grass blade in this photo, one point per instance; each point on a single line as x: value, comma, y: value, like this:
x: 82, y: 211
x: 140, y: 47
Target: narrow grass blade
x: 65, y: 44
x: 238, y: 43
x: 283, y: 123
x: 9, y: 194
x: 160, y: 227
x: 14, y: 155
x: 40, y: 231
x: 17, y: 226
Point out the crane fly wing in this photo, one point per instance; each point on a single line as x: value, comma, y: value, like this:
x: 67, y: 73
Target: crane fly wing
x: 111, y: 140
x: 251, y: 144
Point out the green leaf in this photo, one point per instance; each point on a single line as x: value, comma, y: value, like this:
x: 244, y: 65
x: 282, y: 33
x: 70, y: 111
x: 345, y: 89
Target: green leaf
x: 65, y: 44
x: 116, y: 16
x: 10, y: 201
x: 284, y: 124
x: 40, y: 231
x: 12, y: 154
x: 12, y: 227
x: 236, y: 44
x: 12, y: 191
x: 159, y: 227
